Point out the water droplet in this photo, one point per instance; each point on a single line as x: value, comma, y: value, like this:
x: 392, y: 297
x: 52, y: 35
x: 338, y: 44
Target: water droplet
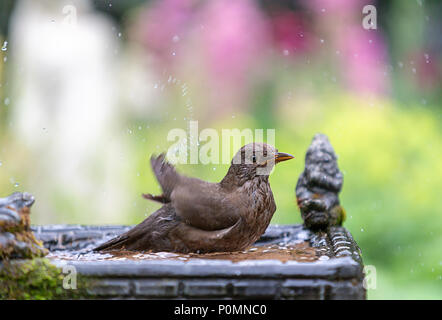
x: 400, y: 64
x: 322, y: 40
x: 323, y: 10
x: 176, y: 38
x: 5, y: 59
x: 5, y: 46
x: 370, y: 41
x: 155, y: 86
x: 174, y: 53
x: 119, y: 34
x: 362, y: 229
x: 1, y: 163
x: 286, y: 52
x: 16, y: 185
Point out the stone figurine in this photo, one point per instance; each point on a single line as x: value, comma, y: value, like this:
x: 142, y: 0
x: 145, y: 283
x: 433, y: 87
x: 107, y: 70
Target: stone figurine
x: 16, y: 238
x: 318, y: 187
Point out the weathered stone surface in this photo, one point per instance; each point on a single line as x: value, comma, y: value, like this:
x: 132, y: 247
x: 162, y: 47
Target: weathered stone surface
x: 256, y: 288
x: 303, y: 289
x: 206, y: 289
x: 163, y: 288
x: 110, y: 287
x: 347, y: 290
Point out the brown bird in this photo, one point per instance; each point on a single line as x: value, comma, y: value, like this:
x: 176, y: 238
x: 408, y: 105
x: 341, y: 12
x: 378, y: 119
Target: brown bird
x: 199, y: 216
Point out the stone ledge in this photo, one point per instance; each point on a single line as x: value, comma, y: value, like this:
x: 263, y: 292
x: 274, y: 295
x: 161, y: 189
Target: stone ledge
x: 338, y: 276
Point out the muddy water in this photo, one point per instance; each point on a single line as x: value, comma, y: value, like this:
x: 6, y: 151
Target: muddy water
x: 301, y: 252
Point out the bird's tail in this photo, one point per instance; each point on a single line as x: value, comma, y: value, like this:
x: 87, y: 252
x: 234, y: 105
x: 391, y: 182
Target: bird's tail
x: 115, y: 243
x: 167, y: 178
x: 160, y: 199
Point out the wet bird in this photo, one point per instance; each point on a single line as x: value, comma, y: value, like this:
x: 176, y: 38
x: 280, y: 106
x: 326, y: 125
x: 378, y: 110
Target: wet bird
x: 199, y: 216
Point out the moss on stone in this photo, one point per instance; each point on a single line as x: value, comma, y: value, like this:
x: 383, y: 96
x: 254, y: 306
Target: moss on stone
x: 36, y: 279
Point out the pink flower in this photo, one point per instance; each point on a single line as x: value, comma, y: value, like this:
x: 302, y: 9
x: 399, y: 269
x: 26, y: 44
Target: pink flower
x: 364, y: 60
x: 162, y: 26
x: 291, y: 32
x: 234, y: 38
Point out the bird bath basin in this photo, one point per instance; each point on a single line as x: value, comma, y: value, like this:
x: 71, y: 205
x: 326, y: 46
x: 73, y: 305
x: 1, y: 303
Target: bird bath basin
x: 288, y: 262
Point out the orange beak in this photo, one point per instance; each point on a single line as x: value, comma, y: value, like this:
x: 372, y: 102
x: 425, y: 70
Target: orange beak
x: 281, y: 156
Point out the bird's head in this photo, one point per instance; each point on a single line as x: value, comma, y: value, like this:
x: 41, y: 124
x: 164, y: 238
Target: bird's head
x: 256, y: 160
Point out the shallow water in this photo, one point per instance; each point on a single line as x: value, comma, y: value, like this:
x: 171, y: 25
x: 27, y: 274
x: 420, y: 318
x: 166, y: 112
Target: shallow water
x: 300, y: 251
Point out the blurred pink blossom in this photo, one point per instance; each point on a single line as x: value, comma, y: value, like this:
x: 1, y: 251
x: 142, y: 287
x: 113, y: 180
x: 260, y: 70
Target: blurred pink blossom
x: 235, y: 38
x: 327, y: 7
x: 428, y: 73
x: 162, y: 26
x: 291, y: 32
x: 362, y: 53
x: 364, y: 60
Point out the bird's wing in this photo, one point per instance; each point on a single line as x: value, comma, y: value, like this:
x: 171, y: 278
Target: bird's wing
x: 197, y: 203
x: 205, y: 205
x: 203, y: 241
x: 114, y: 243
x: 147, y: 235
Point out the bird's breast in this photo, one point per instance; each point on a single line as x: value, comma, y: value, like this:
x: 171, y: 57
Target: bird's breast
x: 259, y: 209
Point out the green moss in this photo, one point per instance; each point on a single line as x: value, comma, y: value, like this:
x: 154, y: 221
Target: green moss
x: 36, y: 279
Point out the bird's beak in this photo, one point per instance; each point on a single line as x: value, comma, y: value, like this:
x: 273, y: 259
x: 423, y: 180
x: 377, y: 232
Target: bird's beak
x: 281, y: 156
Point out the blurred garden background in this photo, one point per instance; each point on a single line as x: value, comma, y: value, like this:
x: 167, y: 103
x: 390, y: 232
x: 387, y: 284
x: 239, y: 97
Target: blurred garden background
x: 90, y: 89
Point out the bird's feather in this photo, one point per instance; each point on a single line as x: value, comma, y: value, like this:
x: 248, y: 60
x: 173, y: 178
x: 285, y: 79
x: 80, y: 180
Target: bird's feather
x: 166, y: 175
x: 198, y: 203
